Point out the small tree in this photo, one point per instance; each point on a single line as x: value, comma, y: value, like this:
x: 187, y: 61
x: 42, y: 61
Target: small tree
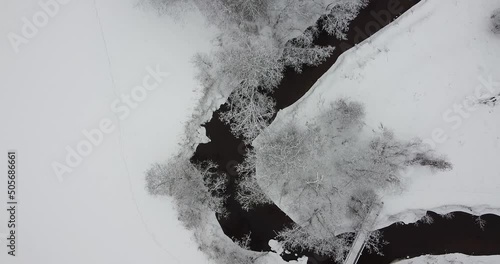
x: 343, y: 115
x: 379, y: 161
x: 281, y: 154
x: 495, y: 22
x: 302, y: 51
x: 480, y: 222
x: 337, y: 22
x: 297, y: 238
x: 249, y: 194
x: 429, y: 159
x: 187, y: 185
x: 375, y: 243
x: 448, y: 216
x: 426, y: 220
x: 249, y: 113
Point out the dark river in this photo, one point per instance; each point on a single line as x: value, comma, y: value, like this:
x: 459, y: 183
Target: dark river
x: 457, y: 235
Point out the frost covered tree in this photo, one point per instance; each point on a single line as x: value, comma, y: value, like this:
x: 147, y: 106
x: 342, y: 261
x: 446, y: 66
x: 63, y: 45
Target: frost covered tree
x: 219, y: 12
x: 375, y: 242
x: 336, y: 22
x: 480, y: 222
x: 297, y: 238
x: 194, y: 188
x: 325, y: 174
x: 342, y: 115
x: 378, y: 161
x: 302, y: 51
x: 249, y: 112
x: 258, y: 40
x: 495, y: 22
x: 282, y: 154
x: 248, y: 193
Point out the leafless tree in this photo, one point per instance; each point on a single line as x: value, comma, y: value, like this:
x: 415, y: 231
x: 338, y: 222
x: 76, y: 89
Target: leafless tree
x: 187, y: 185
x: 249, y: 113
x: 298, y: 238
x: 375, y: 243
x: 480, y: 222
x: 448, y: 216
x: 249, y: 194
x: 302, y: 51
x: 426, y: 220
x: 337, y: 21
x: 343, y: 115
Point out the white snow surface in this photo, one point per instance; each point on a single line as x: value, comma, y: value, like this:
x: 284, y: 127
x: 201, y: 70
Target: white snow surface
x: 61, y: 83
x: 452, y: 258
x: 409, y: 76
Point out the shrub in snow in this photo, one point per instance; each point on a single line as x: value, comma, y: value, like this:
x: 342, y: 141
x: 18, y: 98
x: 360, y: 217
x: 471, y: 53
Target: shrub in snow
x: 426, y: 219
x: 248, y: 113
x: 249, y: 194
x: 375, y: 243
x: 193, y: 188
x: 480, y: 222
x: 430, y: 160
x: 336, y: 22
x: 495, y: 21
x: 448, y: 216
x: 343, y: 115
x: 299, y: 239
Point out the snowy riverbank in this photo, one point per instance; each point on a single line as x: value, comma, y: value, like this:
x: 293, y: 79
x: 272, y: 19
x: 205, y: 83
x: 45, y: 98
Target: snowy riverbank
x: 414, y: 77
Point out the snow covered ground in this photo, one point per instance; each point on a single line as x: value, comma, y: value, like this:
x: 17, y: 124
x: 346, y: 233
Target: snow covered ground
x: 452, y: 258
x: 423, y: 76
x: 112, y: 82
x: 64, y: 80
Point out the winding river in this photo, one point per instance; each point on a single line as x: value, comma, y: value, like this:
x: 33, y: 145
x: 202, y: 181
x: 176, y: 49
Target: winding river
x: 460, y: 234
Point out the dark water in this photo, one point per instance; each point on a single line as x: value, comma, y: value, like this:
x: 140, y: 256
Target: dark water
x: 227, y: 150
x: 461, y: 234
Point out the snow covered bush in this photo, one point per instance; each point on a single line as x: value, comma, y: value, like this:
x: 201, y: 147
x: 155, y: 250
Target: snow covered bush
x: 249, y: 194
x: 379, y: 161
x: 193, y: 188
x: 429, y: 159
x: 375, y: 243
x: 495, y: 21
x: 343, y: 115
x: 336, y: 23
x: 249, y: 112
x: 480, y: 222
x: 302, y: 51
x: 299, y: 239
x: 426, y: 220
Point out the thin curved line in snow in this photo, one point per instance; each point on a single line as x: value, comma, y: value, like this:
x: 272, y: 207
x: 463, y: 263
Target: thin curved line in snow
x: 120, y: 140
